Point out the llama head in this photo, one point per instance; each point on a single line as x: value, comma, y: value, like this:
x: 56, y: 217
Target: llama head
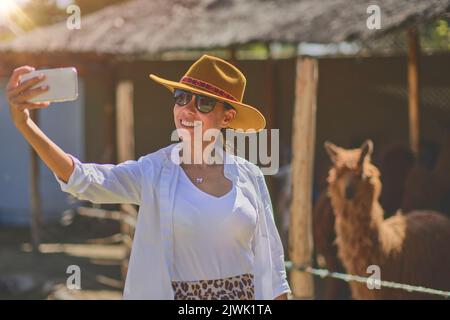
x: 352, y: 176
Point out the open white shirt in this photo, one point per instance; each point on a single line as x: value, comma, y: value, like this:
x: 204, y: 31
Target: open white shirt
x: 151, y: 183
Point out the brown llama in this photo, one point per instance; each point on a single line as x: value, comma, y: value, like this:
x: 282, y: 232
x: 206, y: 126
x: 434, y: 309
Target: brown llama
x: 410, y: 249
x: 395, y: 162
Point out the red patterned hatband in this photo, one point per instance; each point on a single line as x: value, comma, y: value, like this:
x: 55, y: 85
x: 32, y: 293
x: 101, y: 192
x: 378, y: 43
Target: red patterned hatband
x: 208, y: 87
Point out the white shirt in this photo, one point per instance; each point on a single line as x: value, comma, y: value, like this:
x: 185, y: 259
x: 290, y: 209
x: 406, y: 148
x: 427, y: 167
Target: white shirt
x: 212, y: 235
x: 151, y: 183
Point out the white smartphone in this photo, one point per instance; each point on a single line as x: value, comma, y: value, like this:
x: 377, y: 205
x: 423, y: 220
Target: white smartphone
x: 62, y: 84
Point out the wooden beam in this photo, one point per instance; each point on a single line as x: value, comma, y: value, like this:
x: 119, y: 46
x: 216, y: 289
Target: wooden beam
x: 413, y: 89
x: 233, y: 54
x: 36, y: 214
x: 270, y: 114
x: 123, y: 216
x: 84, y: 63
x: 304, y: 126
x: 125, y: 121
x: 110, y: 152
x: 125, y: 151
x: 271, y: 121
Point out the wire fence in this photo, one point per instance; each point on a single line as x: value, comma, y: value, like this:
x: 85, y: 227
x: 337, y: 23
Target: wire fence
x: 324, y: 273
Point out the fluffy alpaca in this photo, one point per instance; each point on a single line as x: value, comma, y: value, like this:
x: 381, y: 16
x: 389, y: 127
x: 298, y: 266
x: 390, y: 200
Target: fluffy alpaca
x: 395, y: 162
x: 410, y: 249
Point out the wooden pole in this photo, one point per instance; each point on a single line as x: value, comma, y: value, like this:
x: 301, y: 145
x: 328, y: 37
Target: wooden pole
x: 125, y: 121
x: 233, y: 60
x: 413, y: 89
x: 36, y: 214
x: 300, y: 234
x: 270, y: 114
x: 109, y: 152
x: 125, y: 151
x: 233, y: 54
x: 271, y: 121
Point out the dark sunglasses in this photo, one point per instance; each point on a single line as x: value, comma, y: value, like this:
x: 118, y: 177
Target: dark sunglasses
x: 202, y: 103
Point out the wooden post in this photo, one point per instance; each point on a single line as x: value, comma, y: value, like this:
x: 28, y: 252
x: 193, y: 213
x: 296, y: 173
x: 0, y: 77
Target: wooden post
x: 233, y: 60
x: 271, y: 121
x: 413, y: 89
x: 304, y: 126
x: 125, y: 121
x: 36, y: 214
x: 125, y: 151
x: 233, y: 54
x: 270, y: 114
x: 110, y: 152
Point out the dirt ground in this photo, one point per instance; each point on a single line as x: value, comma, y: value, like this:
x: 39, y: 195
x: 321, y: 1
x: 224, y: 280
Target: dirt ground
x: 92, y: 244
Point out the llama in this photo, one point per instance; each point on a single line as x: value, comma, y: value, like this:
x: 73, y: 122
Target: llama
x: 395, y: 162
x: 410, y: 249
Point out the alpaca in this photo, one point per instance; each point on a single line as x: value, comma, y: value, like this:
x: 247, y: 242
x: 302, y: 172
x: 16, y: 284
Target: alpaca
x: 410, y: 249
x: 395, y: 163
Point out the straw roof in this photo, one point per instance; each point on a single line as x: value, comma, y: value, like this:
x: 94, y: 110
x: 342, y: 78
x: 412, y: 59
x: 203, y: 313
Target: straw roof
x: 145, y: 27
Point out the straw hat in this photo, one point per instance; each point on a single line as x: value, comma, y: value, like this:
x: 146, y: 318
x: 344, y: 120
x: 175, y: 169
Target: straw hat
x: 216, y: 78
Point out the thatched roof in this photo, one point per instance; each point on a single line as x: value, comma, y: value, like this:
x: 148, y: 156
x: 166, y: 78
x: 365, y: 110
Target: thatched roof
x: 144, y: 26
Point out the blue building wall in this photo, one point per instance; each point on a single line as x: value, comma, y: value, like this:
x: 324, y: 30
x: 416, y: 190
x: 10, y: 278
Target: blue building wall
x: 64, y: 124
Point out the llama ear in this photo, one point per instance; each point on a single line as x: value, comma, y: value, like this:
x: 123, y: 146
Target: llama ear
x: 366, y: 150
x: 332, y: 150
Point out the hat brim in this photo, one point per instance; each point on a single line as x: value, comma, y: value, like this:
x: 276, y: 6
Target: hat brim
x: 247, y: 117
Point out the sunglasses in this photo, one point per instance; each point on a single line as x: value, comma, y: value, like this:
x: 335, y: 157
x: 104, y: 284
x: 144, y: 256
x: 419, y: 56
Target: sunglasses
x: 202, y: 103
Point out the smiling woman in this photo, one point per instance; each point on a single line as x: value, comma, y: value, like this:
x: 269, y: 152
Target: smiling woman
x: 206, y: 229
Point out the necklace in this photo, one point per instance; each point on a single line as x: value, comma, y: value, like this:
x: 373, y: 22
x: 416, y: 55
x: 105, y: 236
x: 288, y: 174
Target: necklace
x: 198, y: 180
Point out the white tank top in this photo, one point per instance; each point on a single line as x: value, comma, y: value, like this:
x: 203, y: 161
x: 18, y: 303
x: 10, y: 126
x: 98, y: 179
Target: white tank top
x: 212, y: 235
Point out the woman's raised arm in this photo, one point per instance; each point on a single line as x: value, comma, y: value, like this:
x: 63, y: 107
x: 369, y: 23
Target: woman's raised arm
x: 98, y: 183
x: 18, y: 95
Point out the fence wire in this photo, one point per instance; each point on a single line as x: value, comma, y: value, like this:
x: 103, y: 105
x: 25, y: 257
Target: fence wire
x: 324, y: 273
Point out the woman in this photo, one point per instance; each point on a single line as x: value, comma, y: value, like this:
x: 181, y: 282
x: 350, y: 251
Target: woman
x: 205, y: 229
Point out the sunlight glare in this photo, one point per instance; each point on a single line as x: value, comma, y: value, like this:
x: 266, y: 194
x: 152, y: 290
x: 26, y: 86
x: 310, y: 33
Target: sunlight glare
x: 7, y: 6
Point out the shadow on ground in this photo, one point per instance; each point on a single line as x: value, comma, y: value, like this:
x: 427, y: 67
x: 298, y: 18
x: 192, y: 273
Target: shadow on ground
x: 91, y: 244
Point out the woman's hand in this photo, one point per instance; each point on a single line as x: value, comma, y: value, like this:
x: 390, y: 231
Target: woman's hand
x: 18, y: 95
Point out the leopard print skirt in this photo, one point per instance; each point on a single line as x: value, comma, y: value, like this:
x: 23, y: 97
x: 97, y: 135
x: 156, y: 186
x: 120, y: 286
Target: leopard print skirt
x: 234, y: 288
